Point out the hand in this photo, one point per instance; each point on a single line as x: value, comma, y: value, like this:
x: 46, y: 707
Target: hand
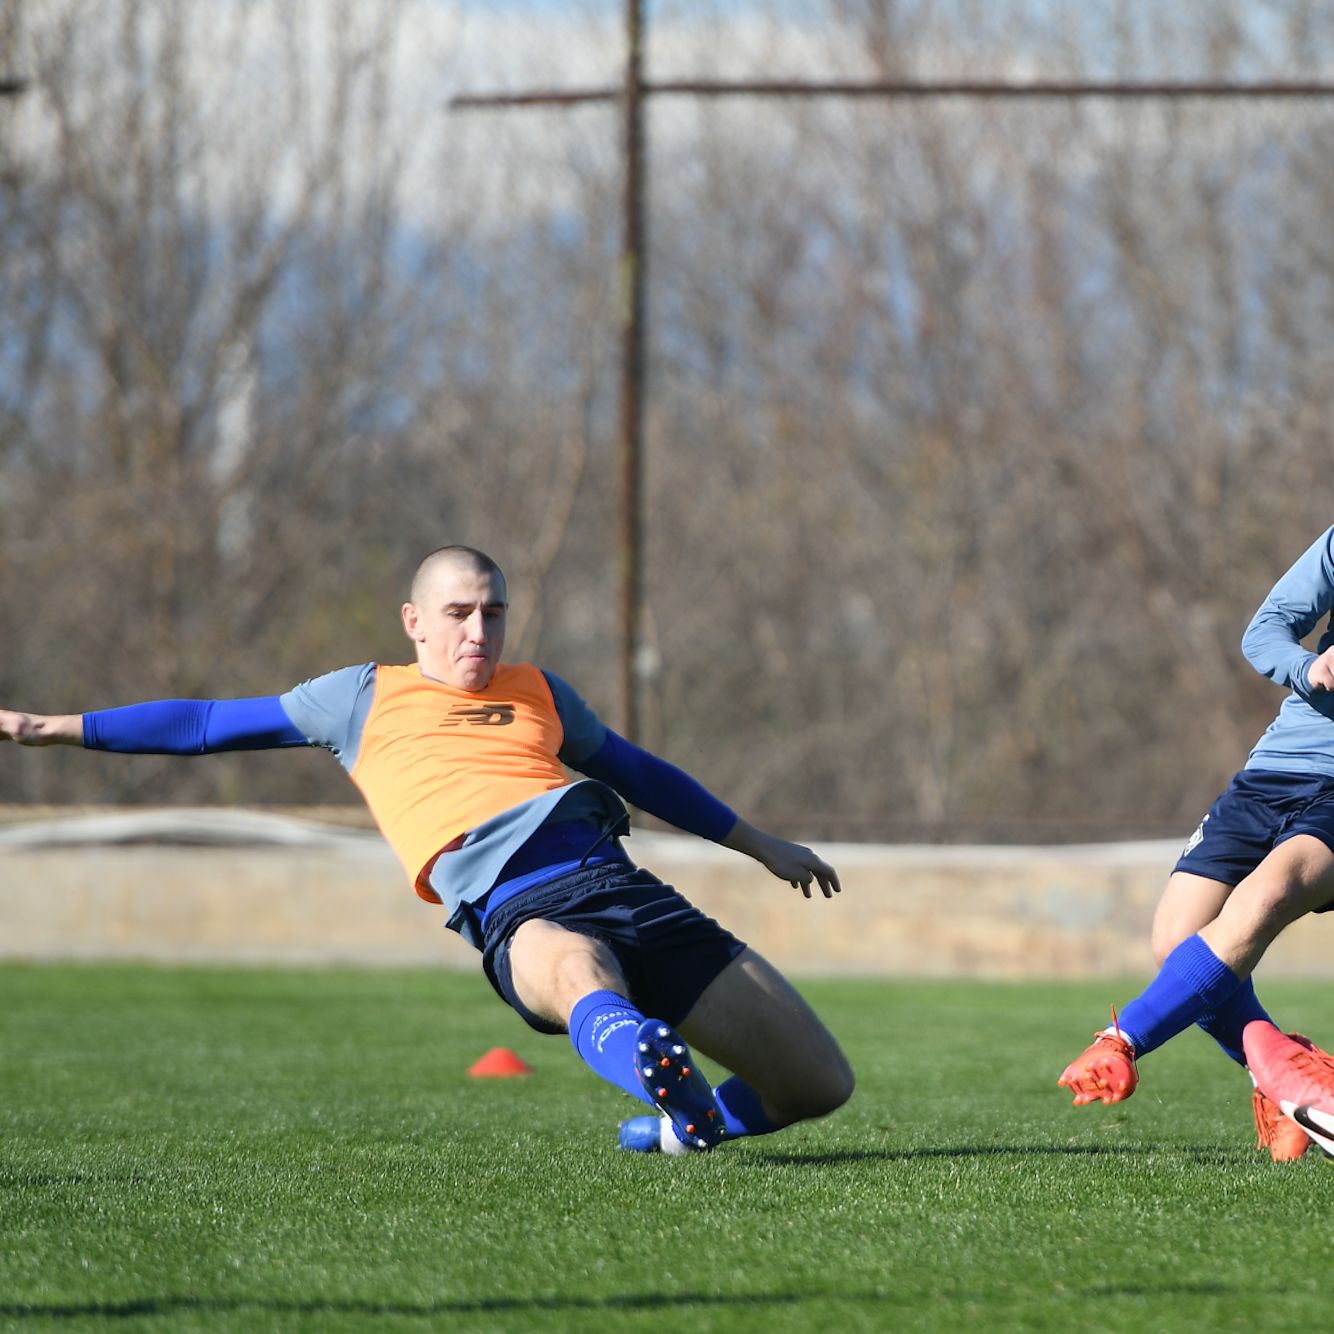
x: 792, y: 862
x: 799, y: 866
x: 36, y: 729
x: 20, y: 727
x: 1320, y: 674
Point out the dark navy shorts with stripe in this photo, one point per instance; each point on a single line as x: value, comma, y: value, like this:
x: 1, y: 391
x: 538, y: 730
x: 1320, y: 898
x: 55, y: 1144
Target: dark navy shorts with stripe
x: 668, y: 950
x: 1260, y: 809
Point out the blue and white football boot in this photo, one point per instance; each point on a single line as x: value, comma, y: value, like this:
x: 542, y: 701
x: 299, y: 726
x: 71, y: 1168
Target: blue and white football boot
x: 678, y: 1089
x: 652, y: 1134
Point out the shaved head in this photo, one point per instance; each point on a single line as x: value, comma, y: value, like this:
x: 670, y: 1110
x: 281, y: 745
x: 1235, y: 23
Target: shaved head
x: 451, y: 558
x: 456, y: 617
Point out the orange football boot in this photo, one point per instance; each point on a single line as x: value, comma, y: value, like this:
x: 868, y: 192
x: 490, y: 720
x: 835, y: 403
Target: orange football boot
x: 1281, y: 1135
x: 1103, y: 1072
x: 1293, y: 1074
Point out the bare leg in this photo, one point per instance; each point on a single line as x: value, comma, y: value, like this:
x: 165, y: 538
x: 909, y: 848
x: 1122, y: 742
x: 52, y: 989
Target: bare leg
x: 1295, y: 879
x: 1234, y: 926
x: 752, y: 1020
x: 1189, y: 903
x: 749, y: 1019
x: 553, y: 968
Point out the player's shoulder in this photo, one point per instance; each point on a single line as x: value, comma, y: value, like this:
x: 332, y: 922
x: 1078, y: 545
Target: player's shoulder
x: 334, y: 692
x: 340, y: 678
x: 584, y: 730
x: 560, y: 688
x: 331, y: 709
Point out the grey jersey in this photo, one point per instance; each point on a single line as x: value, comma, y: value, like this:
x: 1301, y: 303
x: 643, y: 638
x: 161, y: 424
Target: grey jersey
x: 1301, y: 738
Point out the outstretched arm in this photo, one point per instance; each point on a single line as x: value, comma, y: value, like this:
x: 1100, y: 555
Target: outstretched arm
x: 41, y: 729
x: 162, y: 727
x: 657, y: 787
x: 673, y: 795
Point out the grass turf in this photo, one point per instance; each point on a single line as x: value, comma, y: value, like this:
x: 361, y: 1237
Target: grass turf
x: 207, y: 1149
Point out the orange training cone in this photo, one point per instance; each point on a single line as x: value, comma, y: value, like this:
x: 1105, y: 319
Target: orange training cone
x: 499, y: 1063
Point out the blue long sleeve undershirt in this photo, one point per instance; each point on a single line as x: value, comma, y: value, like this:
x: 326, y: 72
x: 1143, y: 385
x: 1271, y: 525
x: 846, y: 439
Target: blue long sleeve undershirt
x: 658, y: 787
x: 205, y: 727
x: 192, y: 727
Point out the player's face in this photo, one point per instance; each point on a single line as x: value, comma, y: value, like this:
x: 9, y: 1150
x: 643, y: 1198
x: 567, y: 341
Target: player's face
x: 459, y: 626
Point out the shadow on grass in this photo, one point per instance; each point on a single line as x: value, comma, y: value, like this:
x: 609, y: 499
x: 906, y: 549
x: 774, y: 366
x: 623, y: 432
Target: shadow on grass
x: 1204, y: 1153
x: 166, y: 1306
x: 1169, y: 1290
x: 169, y: 1306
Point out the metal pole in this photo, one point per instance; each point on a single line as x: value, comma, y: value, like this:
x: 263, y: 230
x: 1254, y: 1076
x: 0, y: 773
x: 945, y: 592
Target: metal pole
x: 632, y: 288
x: 1042, y: 90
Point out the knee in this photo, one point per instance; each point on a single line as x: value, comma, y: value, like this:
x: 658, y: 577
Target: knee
x: 839, y: 1087
x: 1169, y: 930
x: 824, y: 1092
x: 1260, y: 909
x: 1189, y: 904
x: 1164, y: 940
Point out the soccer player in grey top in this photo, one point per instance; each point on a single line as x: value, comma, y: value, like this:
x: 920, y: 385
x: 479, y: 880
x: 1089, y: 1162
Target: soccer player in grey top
x: 1261, y: 858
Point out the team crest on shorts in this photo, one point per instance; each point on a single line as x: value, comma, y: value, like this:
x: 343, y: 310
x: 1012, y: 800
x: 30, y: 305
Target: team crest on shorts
x: 1195, y: 839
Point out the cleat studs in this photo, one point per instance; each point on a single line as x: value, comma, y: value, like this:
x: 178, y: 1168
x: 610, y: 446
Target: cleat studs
x: 685, y: 1072
x: 662, y: 1093
x: 690, y: 1129
x: 643, y: 1046
x: 712, y: 1115
x: 664, y: 1031
x: 664, y: 1062
x: 678, y: 1050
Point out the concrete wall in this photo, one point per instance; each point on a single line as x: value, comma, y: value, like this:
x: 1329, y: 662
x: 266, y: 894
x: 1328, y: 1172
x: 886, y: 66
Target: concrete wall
x: 234, y: 885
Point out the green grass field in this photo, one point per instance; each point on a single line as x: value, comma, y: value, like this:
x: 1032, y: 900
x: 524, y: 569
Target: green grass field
x: 207, y: 1149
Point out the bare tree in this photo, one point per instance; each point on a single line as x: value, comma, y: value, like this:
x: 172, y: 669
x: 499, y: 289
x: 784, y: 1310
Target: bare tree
x: 975, y: 431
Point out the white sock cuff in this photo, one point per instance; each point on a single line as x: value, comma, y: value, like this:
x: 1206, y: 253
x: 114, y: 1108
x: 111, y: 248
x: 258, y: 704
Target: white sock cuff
x: 1113, y: 1032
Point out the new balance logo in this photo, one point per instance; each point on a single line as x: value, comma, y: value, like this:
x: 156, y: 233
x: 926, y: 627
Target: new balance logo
x: 479, y: 715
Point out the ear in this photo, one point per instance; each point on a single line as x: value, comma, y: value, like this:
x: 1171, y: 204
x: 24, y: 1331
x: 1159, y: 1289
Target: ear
x: 412, y: 622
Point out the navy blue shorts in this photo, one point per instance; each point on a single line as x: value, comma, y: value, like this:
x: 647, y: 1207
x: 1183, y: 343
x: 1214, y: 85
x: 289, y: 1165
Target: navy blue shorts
x: 668, y: 950
x: 1260, y: 809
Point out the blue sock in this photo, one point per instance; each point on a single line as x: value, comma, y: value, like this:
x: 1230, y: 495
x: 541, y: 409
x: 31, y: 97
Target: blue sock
x: 741, y: 1109
x: 1193, y: 983
x: 1227, y: 1022
x: 603, y: 1028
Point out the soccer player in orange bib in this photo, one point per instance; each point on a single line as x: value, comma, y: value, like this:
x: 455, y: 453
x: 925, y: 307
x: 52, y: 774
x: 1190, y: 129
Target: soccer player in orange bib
x: 464, y: 763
